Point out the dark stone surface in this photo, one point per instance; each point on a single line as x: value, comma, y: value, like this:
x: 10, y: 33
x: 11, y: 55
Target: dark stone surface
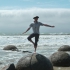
x: 64, y: 48
x: 10, y: 47
x: 60, y: 59
x: 26, y: 52
x: 11, y: 67
x: 34, y: 62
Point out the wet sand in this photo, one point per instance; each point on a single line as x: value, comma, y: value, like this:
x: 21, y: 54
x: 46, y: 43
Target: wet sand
x: 61, y: 68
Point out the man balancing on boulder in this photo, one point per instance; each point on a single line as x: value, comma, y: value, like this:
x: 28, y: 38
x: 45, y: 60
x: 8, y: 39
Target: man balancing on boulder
x: 35, y: 26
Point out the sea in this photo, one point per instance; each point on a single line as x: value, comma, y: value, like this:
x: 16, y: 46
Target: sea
x: 47, y: 45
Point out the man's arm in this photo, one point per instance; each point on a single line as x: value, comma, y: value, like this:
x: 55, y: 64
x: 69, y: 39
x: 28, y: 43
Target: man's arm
x: 27, y: 30
x: 48, y: 25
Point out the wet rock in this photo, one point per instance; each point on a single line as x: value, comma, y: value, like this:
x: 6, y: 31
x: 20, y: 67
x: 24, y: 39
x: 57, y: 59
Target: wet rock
x: 34, y: 62
x: 10, y: 47
x: 27, y: 52
x: 11, y: 67
x: 64, y: 48
x: 60, y: 59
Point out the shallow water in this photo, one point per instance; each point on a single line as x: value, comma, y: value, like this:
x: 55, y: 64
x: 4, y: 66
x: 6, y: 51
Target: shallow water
x: 47, y: 45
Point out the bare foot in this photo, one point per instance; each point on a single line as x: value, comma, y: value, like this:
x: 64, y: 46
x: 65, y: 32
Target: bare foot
x: 35, y: 48
x: 34, y: 52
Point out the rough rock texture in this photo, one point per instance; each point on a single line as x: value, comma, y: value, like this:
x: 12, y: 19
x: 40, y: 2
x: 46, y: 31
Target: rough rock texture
x: 34, y: 62
x: 64, y: 48
x: 60, y: 59
x: 10, y: 47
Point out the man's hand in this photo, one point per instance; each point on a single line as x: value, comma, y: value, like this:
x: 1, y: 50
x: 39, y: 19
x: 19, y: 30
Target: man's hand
x: 24, y: 33
x: 26, y: 30
x: 52, y: 26
x: 48, y: 25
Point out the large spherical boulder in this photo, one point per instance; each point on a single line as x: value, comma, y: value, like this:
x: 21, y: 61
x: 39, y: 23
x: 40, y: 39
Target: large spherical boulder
x: 34, y: 62
x: 64, y: 48
x: 60, y: 59
x: 10, y: 47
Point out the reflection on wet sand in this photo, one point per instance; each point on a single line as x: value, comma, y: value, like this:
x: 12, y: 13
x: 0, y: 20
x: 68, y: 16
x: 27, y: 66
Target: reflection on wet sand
x: 61, y: 68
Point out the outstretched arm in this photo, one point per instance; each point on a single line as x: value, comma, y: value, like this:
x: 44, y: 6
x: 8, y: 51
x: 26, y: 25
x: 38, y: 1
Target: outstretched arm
x: 27, y: 30
x: 48, y: 25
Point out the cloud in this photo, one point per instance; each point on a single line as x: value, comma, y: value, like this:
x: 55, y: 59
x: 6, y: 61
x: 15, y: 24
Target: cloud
x: 17, y: 21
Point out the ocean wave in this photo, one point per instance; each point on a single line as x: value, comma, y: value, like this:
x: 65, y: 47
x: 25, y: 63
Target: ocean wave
x: 4, y: 34
x: 55, y: 33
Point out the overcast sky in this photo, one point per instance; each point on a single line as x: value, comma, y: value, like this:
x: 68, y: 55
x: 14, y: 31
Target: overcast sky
x: 17, y: 15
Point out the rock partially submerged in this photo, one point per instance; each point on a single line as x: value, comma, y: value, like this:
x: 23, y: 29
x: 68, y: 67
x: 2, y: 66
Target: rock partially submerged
x: 34, y: 62
x: 10, y: 47
x: 64, y: 48
x: 26, y: 52
x: 60, y: 59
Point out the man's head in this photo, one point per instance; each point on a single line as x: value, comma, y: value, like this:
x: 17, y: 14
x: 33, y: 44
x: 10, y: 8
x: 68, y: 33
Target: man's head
x: 35, y: 18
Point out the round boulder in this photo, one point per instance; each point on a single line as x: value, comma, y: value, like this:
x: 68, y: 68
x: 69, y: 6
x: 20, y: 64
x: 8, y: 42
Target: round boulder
x: 60, y: 59
x: 64, y: 48
x: 34, y: 62
x: 10, y: 47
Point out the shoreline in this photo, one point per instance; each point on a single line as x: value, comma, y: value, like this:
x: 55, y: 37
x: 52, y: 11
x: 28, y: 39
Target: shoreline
x: 61, y: 68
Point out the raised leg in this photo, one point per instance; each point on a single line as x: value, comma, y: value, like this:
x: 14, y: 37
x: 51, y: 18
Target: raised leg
x: 29, y: 38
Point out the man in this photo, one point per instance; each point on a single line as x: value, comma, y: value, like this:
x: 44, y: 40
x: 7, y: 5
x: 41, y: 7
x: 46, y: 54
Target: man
x: 35, y: 26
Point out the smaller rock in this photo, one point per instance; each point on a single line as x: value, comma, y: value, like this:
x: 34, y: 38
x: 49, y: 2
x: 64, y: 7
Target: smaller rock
x: 64, y: 48
x: 11, y: 67
x: 60, y: 59
x: 27, y: 52
x: 10, y: 47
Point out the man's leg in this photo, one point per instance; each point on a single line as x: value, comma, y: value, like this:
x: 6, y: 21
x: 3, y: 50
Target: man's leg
x: 36, y: 40
x: 29, y: 38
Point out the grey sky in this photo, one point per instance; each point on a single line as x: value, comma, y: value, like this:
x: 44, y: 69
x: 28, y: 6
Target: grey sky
x: 17, y: 21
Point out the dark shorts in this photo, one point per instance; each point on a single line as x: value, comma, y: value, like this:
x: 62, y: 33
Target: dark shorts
x: 36, y: 37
